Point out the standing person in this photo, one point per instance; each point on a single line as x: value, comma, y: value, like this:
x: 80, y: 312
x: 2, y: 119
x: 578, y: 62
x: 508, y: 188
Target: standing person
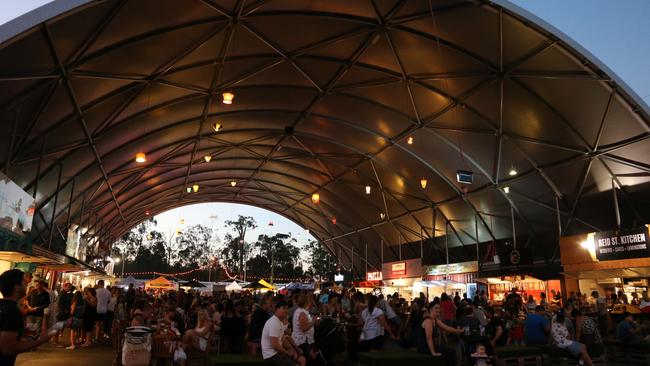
x: 447, y: 309
x: 90, y: 315
x: 303, y: 326
x: 39, y: 300
x: 12, y: 287
x: 110, y: 311
x: 76, y: 322
x: 536, y: 327
x: 103, y: 298
x: 272, y: 349
x: 601, y: 311
x: 531, y: 304
x: 64, y: 305
x: 374, y: 325
x: 258, y: 319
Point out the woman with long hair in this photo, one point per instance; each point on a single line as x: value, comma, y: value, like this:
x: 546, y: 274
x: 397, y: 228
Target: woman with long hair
x: 76, y: 322
x: 430, y: 333
x: 90, y: 315
x: 374, y: 325
x: 303, y: 325
x: 198, y: 337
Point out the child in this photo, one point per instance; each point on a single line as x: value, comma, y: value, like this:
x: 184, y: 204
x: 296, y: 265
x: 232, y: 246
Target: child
x: 480, y: 356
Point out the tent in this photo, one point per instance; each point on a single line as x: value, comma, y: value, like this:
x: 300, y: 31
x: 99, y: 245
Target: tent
x: 125, y: 282
x: 159, y: 283
x: 266, y: 285
x: 297, y: 286
x: 192, y: 284
x: 234, y: 286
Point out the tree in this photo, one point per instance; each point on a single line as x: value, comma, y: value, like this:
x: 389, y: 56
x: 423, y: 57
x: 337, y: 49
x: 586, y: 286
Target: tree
x: 278, y: 252
x: 233, y: 252
x: 321, y: 261
x: 193, y: 247
x: 240, y: 226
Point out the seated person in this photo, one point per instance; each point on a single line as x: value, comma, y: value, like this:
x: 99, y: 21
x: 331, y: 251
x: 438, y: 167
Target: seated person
x: 197, y: 338
x: 536, y: 327
x: 480, y: 357
x: 174, y: 320
x: 468, y: 321
x: 562, y: 339
x: 273, y: 334
x: 628, y: 331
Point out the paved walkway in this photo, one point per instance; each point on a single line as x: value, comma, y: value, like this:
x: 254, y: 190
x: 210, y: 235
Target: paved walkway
x: 49, y: 355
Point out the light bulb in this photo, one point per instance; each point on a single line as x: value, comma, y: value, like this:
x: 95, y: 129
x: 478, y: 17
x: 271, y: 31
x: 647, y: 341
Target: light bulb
x: 195, y: 188
x: 423, y: 183
x: 382, y: 215
x: 367, y: 189
x: 189, y: 189
x: 207, y: 158
x: 228, y: 97
x: 140, y: 157
x: 410, y: 140
x: 512, y: 172
x: 506, y: 189
x: 315, y: 198
x: 233, y: 183
x: 334, y: 220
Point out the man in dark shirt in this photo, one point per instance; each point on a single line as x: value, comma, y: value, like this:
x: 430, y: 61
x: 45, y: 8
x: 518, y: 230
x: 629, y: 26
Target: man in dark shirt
x: 64, y: 306
x: 12, y: 288
x: 39, y: 300
x: 536, y: 327
x: 258, y: 319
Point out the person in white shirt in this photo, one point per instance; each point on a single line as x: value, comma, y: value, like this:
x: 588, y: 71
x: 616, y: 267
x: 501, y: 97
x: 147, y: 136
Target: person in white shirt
x: 303, y: 326
x: 562, y: 339
x: 374, y: 324
x: 103, y: 298
x: 272, y: 349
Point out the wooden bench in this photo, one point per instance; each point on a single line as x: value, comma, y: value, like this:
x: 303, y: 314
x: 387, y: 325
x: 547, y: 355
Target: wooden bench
x: 235, y: 360
x: 519, y: 356
x: 554, y: 356
x: 397, y: 358
x: 628, y: 353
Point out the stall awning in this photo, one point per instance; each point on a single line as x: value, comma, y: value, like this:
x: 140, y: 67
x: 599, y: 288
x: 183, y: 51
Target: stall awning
x: 610, y: 273
x: 11, y: 256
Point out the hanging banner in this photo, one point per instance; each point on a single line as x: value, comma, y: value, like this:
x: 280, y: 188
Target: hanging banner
x: 402, y: 269
x: 622, y: 244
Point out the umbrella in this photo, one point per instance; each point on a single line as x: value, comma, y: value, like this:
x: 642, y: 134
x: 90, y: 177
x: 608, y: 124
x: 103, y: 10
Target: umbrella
x: 192, y: 284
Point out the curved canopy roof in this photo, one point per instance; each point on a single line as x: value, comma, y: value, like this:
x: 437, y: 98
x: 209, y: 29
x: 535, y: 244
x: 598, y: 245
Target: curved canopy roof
x: 327, y: 94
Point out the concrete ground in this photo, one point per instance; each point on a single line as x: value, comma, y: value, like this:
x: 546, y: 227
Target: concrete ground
x: 49, y: 355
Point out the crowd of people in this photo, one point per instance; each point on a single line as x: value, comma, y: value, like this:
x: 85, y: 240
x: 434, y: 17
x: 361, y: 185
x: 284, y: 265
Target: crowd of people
x: 307, y: 328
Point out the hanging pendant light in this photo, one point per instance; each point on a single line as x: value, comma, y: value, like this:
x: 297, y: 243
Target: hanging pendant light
x: 382, y: 215
x: 315, y: 198
x: 334, y: 220
x: 195, y: 188
x: 506, y: 189
x: 147, y: 213
x: 216, y: 126
x: 367, y: 189
x: 140, y: 157
x: 228, y: 97
x: 423, y: 183
x: 512, y: 172
x: 270, y: 223
x: 410, y: 140
x: 233, y: 183
x: 207, y: 158
x: 189, y: 189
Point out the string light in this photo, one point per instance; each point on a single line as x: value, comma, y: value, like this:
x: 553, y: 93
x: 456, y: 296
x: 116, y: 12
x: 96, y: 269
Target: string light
x: 334, y: 220
x: 410, y: 140
x: 367, y: 189
x: 315, y: 198
x: 195, y: 188
x: 140, y: 157
x: 423, y: 183
x: 207, y: 158
x: 147, y: 213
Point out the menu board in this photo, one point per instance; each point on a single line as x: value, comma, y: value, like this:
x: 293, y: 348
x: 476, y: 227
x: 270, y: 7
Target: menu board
x: 622, y: 244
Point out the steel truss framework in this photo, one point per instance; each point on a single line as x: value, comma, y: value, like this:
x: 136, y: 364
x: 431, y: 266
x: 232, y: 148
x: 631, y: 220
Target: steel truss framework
x: 326, y: 97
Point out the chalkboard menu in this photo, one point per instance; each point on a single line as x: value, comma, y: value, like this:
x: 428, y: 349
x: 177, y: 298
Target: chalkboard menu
x: 622, y: 244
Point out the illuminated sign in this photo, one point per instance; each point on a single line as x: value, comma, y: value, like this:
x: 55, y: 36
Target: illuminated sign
x: 373, y: 276
x: 338, y: 277
x: 398, y: 269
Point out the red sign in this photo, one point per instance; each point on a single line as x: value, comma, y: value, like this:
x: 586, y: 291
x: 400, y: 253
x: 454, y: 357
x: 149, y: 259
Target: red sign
x: 373, y: 276
x: 398, y: 269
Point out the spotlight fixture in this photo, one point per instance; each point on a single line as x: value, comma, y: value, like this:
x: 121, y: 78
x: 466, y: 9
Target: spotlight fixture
x: 367, y: 189
x: 216, y: 126
x: 512, y: 172
x: 207, y: 158
x: 382, y: 215
x: 233, y: 183
x: 410, y: 140
x: 140, y: 157
x: 315, y: 198
x: 195, y: 188
x: 423, y: 183
x: 189, y: 189
x: 228, y: 97
x: 506, y: 189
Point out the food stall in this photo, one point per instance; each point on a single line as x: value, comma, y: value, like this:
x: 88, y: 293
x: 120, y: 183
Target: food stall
x: 160, y: 283
x: 608, y: 261
x: 450, y: 278
x: 403, y: 277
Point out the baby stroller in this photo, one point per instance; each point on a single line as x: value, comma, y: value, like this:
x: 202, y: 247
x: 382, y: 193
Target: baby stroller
x: 330, y: 339
x: 136, y: 350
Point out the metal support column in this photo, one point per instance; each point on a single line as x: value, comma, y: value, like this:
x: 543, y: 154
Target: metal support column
x: 616, y: 209
x: 56, y: 201
x: 67, y: 220
x: 514, y: 229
